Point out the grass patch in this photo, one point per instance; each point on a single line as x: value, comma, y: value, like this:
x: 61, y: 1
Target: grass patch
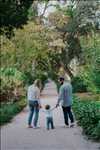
x: 88, y: 116
x: 89, y: 96
x: 8, y: 111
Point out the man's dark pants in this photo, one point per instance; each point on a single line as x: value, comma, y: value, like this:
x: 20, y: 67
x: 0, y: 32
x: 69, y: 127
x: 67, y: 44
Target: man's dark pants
x: 68, y: 114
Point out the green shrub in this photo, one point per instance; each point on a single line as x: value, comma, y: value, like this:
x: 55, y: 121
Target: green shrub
x: 42, y: 76
x: 8, y: 111
x: 10, y: 79
x: 90, y: 71
x: 28, y: 78
x: 78, y: 84
x: 96, y: 132
x: 88, y: 115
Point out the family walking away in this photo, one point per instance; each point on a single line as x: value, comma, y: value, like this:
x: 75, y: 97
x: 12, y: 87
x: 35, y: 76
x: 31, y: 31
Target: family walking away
x: 64, y: 98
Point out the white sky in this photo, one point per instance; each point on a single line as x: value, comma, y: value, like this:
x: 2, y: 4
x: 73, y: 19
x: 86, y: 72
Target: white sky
x: 51, y: 8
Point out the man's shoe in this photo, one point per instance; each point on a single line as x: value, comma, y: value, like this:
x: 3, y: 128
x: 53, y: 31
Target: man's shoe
x: 67, y: 126
x: 72, y: 125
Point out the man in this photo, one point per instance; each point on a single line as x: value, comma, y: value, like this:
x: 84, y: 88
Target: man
x: 65, y: 97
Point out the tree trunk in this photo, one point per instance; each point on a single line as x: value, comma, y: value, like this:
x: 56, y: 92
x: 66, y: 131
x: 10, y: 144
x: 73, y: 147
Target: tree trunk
x: 69, y: 72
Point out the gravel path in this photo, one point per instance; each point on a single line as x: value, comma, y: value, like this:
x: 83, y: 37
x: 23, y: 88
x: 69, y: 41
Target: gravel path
x: 16, y: 135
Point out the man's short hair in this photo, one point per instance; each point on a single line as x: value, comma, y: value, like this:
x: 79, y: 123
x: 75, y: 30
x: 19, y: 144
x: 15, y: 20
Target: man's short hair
x: 61, y: 79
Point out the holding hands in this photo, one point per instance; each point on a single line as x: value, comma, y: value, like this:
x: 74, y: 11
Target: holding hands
x: 57, y: 105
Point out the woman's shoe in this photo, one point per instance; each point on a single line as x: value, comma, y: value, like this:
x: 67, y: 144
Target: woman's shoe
x: 36, y: 127
x: 29, y: 126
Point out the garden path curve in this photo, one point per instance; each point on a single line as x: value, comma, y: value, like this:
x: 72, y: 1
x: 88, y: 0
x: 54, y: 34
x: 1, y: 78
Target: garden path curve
x: 16, y: 135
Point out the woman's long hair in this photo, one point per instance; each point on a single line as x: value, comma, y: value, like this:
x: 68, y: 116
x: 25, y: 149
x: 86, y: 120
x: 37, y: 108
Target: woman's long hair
x: 37, y: 83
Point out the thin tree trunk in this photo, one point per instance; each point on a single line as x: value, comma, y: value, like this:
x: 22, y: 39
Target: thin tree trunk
x: 69, y: 72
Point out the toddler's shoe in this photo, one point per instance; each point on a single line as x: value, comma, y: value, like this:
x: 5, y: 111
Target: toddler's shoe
x: 36, y: 127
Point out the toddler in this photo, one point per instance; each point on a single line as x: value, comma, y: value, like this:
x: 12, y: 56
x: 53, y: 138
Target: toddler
x: 49, y: 117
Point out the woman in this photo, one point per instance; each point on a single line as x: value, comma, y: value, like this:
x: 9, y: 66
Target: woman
x: 34, y: 102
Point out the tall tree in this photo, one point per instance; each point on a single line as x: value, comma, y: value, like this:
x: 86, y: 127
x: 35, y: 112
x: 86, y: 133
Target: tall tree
x: 75, y: 20
x: 14, y: 12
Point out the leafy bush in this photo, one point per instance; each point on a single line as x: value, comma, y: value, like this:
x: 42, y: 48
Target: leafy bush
x: 8, y: 111
x: 11, y: 79
x: 90, y: 72
x: 88, y: 115
x: 91, y: 78
x: 42, y: 76
x: 29, y: 78
x: 78, y: 84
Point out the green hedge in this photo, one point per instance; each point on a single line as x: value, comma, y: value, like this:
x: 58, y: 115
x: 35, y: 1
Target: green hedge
x: 8, y: 111
x: 78, y: 85
x: 88, y: 116
x: 11, y: 79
